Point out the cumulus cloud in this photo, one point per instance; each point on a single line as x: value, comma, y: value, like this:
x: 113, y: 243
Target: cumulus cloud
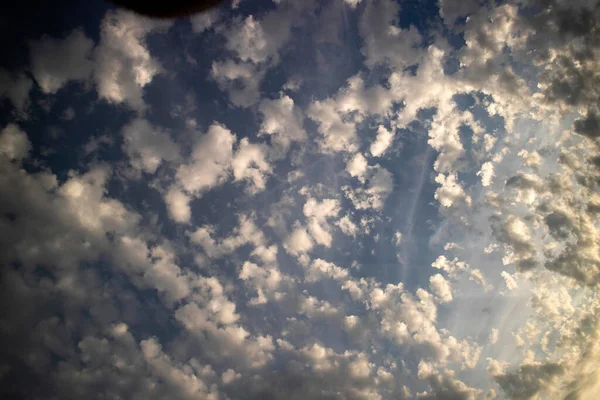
x: 123, y: 64
x: 441, y: 287
x: 298, y: 242
x: 16, y: 87
x: 148, y: 146
x: 55, y: 62
x: 283, y: 123
x: 14, y: 143
x: 374, y: 192
x: 382, y: 141
x: 209, y: 166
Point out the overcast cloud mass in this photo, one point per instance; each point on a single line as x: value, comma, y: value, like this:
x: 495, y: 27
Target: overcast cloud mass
x: 337, y: 199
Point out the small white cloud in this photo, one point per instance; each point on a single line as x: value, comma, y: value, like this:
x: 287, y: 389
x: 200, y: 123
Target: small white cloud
x: 511, y: 283
x: 382, y: 141
x: 486, y: 173
x: 298, y: 242
x: 123, y: 64
x: 352, y: 3
x: 240, y: 80
x: 347, y: 226
x: 249, y: 163
x: 147, y: 146
x: 178, y: 205
x: 56, y: 62
x: 14, y: 143
x: 283, y: 122
x: 357, y: 167
x: 229, y: 376
x: 379, y: 184
x: 493, y: 336
x: 205, y: 20
x: 441, y: 287
x: 15, y: 87
x: 210, y: 162
x: 450, y: 193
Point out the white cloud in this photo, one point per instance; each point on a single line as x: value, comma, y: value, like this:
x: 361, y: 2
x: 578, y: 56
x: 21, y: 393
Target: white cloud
x: 15, y: 87
x: 249, y: 41
x: 378, y: 186
x: 450, y: 193
x: 178, y: 205
x: 441, y: 287
x: 511, y: 283
x: 494, y: 336
x: 320, y: 269
x: 249, y: 163
x: 123, y: 64
x: 283, y: 122
x: 352, y: 3
x: 147, y: 146
x: 184, y: 382
x: 317, y: 214
x: 298, y: 242
x: 246, y: 232
x: 14, y: 143
x: 357, y: 167
x: 205, y: 20
x: 263, y: 279
x: 56, y: 62
x: 382, y: 141
x: 337, y: 134
x: 347, y: 226
x: 209, y: 166
x: 240, y: 80
x: 486, y: 173
x: 229, y: 376
x: 384, y: 40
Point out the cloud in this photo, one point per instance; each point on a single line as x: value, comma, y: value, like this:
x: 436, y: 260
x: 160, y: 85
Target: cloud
x: 357, y: 167
x: 205, y: 20
x: 15, y: 87
x: 382, y: 142
x: 187, y: 385
x: 283, y: 123
x: 441, y: 287
x: 317, y: 214
x: 209, y: 165
x: 148, y: 146
x: 347, y: 226
x: 451, y: 193
x: 245, y: 280
x: 384, y: 40
x: 178, y: 205
x: 337, y: 134
x: 373, y: 193
x: 320, y: 269
x: 239, y: 79
x: 298, y: 242
x: 14, y: 143
x: 486, y: 173
x: 249, y: 163
x: 528, y: 380
x: 55, y: 62
x: 123, y: 64
x: 246, y: 232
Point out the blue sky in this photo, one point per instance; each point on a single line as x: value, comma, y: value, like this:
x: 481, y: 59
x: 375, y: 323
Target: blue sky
x: 341, y: 199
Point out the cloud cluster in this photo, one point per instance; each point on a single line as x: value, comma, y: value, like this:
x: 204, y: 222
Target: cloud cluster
x: 426, y: 227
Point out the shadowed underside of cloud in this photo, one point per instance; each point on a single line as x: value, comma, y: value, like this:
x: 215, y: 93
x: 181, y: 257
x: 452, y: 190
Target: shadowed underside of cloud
x: 212, y: 208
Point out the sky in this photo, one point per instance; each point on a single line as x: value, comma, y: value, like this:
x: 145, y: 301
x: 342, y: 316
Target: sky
x: 336, y: 199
